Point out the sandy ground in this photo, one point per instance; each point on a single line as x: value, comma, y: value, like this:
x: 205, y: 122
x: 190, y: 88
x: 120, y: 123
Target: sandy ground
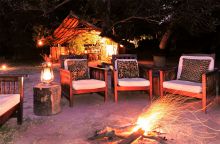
x: 90, y: 113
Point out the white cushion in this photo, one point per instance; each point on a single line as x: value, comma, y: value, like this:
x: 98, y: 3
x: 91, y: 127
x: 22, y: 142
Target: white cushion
x: 88, y: 84
x: 211, y: 65
x: 116, y: 61
x: 183, y: 85
x: 133, y: 82
x: 7, y: 101
x: 66, y: 60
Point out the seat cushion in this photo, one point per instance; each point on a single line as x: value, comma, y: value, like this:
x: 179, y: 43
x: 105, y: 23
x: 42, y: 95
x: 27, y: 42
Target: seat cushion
x: 193, y: 69
x: 79, y: 69
x: 7, y: 101
x: 133, y: 82
x: 183, y: 85
x: 88, y: 84
x: 127, y: 68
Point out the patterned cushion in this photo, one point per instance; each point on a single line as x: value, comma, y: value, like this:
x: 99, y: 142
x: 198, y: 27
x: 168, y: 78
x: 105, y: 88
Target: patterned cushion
x: 127, y: 69
x: 193, y: 69
x: 79, y: 69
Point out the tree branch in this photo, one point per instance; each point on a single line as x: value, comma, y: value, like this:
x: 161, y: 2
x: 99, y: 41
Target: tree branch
x: 57, y: 6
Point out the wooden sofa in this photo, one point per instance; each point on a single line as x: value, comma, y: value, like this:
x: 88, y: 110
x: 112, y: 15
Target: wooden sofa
x: 11, y: 98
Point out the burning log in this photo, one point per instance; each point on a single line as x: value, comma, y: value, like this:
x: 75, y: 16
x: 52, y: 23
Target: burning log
x: 134, y: 136
x: 106, y: 134
x: 126, y: 135
x: 111, y: 133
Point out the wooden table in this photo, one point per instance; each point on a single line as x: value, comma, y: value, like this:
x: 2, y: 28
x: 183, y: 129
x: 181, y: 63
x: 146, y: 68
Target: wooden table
x: 47, y: 99
x: 156, y: 76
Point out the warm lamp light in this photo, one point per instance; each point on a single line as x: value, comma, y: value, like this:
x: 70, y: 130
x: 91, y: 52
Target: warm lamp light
x: 110, y: 50
x: 47, y: 74
x: 40, y: 42
x: 49, y: 64
x: 103, y: 40
x: 4, y: 67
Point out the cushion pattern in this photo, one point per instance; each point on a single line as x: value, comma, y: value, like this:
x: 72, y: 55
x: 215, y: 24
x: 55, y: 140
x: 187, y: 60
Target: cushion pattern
x: 79, y: 69
x: 88, y: 84
x: 7, y: 101
x: 127, y: 69
x: 133, y: 82
x: 193, y: 69
x: 183, y: 85
x: 211, y: 65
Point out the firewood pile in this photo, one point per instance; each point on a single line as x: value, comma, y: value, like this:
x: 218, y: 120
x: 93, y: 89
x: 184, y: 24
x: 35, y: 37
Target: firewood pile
x: 125, y: 135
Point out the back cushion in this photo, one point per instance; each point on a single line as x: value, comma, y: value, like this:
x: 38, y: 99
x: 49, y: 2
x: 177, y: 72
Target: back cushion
x: 192, y: 69
x: 79, y: 69
x: 127, y: 68
x: 180, y: 66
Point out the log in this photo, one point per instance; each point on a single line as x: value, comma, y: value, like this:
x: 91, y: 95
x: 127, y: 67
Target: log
x: 109, y: 132
x: 134, y: 136
x: 161, y: 140
x: 47, y: 99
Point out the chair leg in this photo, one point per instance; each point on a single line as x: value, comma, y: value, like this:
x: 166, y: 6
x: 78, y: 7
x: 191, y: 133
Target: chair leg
x: 106, y: 95
x: 20, y: 114
x: 150, y: 95
x: 204, y: 103
x: 116, y: 95
x: 161, y: 92
x: 71, y: 100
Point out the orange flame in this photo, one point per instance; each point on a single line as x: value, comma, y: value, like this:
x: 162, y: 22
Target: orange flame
x: 150, y: 120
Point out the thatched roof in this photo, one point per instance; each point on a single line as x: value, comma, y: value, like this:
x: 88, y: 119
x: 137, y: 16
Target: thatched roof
x: 69, y: 28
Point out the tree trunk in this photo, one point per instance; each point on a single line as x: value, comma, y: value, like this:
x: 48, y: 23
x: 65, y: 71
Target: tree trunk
x: 165, y: 39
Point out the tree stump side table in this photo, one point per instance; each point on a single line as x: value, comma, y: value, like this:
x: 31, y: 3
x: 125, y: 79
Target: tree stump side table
x: 47, y: 99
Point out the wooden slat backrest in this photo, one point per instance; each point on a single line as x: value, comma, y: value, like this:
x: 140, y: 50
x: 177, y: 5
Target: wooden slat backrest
x: 122, y: 56
x: 11, y: 84
x: 63, y: 57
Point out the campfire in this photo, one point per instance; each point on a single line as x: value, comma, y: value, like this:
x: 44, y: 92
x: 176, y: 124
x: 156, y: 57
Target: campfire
x: 155, y: 123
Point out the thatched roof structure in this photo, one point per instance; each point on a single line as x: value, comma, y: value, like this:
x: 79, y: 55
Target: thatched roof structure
x: 71, y: 26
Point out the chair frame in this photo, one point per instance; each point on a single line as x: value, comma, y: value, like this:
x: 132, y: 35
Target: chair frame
x: 12, y: 84
x: 116, y: 87
x: 66, y: 80
x: 209, y: 85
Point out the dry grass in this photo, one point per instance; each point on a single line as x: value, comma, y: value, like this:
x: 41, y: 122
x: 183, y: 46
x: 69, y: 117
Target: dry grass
x: 8, y: 132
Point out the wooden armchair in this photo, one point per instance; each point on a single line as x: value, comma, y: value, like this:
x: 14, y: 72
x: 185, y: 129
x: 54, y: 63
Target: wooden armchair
x: 11, y: 98
x: 97, y: 80
x: 142, y: 80
x: 184, y: 81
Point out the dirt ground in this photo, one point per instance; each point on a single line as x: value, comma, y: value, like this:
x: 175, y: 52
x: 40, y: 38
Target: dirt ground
x: 75, y: 125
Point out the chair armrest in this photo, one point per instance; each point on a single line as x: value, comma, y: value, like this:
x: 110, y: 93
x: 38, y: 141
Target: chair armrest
x: 99, y: 73
x: 65, y: 77
x: 167, y: 74
x: 214, y: 72
x: 66, y: 82
x: 210, y: 81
